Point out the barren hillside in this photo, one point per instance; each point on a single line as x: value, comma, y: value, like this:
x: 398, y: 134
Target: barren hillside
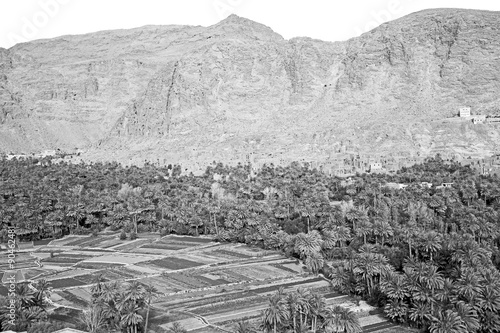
x: 197, y: 94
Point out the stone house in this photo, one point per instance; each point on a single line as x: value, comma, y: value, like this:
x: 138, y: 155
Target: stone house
x: 464, y: 112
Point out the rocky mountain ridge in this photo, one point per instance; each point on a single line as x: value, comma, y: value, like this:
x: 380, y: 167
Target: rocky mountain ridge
x: 191, y: 95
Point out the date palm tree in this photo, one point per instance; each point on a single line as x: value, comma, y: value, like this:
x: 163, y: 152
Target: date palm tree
x: 177, y: 328
x: 317, y: 305
x: 431, y: 242
x: 276, y: 313
x: 420, y: 313
x: 447, y: 321
x: 468, y: 315
x: 130, y: 317
x: 306, y: 244
x: 315, y: 262
x: 293, y: 304
x: 93, y: 319
x: 339, y: 319
x: 243, y: 326
x: 150, y: 291
x: 397, y: 310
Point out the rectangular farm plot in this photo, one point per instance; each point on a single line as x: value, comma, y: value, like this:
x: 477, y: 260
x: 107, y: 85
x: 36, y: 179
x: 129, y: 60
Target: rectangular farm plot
x: 72, y: 299
x: 164, y: 285
x: 189, y: 281
x: 97, y: 265
x: 256, y: 272
x: 143, y: 269
x: 66, y: 282
x: 174, y: 263
x: 64, y: 241
x: 211, y: 280
x: 116, y: 274
x: 120, y: 258
x: 132, y: 245
x: 79, y: 241
x: 188, y: 239
x: 111, y: 242
x: 98, y: 241
x: 232, y: 254
x: 164, y: 246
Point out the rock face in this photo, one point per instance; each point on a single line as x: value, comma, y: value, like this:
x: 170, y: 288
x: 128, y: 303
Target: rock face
x: 197, y: 94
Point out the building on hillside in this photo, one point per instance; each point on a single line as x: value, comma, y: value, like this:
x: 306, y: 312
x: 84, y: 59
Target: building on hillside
x: 478, y: 119
x: 444, y: 185
x: 375, y: 166
x: 426, y: 184
x: 464, y: 112
x: 493, y: 119
x: 395, y: 186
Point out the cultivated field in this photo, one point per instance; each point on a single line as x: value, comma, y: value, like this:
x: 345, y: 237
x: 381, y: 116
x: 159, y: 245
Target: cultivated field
x: 202, y: 284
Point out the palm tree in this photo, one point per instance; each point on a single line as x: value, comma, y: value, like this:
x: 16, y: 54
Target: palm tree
x: 150, y: 290
x: 177, y: 328
x: 243, y: 326
x: 468, y: 315
x: 447, y: 321
x: 293, y: 303
x: 130, y: 317
x: 276, y: 313
x: 395, y: 286
x: 317, y: 306
x: 420, y: 313
x: 369, y: 265
x: 306, y: 244
x: 363, y: 229
x: 314, y: 262
x: 397, y: 310
x: 96, y: 288
x: 339, y: 319
x: 135, y: 292
x: 431, y: 242
x: 93, y: 319
x: 25, y: 295
x: 383, y: 229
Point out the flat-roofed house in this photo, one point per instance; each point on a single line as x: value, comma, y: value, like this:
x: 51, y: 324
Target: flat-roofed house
x: 464, y: 112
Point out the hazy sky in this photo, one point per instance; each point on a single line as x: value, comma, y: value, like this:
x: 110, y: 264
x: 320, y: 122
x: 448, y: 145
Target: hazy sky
x: 332, y: 20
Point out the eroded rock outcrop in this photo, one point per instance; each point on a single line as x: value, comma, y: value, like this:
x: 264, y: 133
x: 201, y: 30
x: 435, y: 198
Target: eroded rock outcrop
x: 197, y: 94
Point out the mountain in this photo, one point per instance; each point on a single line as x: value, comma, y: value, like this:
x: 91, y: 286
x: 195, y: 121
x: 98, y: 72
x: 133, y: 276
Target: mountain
x: 196, y: 94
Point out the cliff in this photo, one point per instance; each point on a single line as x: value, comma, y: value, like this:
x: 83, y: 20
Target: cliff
x: 197, y: 94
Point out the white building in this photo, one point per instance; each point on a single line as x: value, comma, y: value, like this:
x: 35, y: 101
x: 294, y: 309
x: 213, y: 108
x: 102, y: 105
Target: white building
x: 464, y: 112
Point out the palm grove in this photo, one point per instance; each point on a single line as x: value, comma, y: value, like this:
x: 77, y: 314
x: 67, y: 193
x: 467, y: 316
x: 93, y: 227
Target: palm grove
x: 429, y: 256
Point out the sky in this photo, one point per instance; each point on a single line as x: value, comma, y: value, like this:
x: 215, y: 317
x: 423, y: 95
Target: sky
x: 330, y: 20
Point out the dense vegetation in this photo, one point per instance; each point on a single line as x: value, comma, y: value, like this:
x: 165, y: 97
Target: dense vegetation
x: 303, y: 311
x: 429, y: 255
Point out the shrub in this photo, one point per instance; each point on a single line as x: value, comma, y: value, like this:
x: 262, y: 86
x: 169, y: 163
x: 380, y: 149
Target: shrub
x: 123, y: 235
x: 142, y: 228
x: 133, y: 235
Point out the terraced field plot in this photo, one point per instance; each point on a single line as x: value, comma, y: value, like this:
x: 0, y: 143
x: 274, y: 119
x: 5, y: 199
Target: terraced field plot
x: 131, y: 246
x: 66, y: 258
x: 65, y: 282
x: 173, y: 263
x: 71, y: 298
x: 66, y: 240
x: 174, y: 243
x: 97, y: 265
x: 191, y: 273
